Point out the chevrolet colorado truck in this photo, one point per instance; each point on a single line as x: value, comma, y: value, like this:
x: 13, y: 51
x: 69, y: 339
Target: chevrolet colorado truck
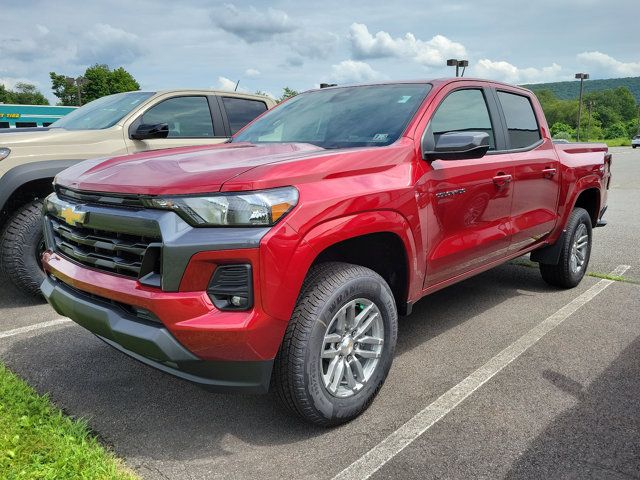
x: 113, y: 125
x: 283, y: 258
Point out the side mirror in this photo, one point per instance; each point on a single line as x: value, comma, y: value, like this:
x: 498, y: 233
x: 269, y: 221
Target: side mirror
x: 147, y: 131
x: 459, y: 146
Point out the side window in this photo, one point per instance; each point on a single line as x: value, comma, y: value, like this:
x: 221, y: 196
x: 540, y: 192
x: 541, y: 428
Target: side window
x: 187, y: 117
x: 241, y: 111
x: 463, y: 111
x: 521, y: 120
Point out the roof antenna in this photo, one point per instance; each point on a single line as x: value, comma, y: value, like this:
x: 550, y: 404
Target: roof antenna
x: 237, y: 83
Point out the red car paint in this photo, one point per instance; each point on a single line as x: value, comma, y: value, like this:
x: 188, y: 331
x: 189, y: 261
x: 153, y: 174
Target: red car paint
x: 345, y: 194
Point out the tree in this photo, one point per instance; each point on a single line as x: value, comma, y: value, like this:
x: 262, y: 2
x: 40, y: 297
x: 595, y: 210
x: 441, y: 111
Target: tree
x: 24, y: 94
x: 562, y: 130
x: 617, y: 130
x: 99, y: 80
x: 287, y: 93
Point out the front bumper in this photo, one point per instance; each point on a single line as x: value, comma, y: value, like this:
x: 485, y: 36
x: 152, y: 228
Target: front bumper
x: 152, y: 343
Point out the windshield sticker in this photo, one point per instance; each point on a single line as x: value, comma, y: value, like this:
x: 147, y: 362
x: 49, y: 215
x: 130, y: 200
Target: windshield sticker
x: 381, y: 137
x: 404, y: 99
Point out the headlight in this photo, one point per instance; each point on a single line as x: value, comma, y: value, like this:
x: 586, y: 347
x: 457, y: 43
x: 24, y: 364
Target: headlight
x: 4, y: 153
x: 257, y: 208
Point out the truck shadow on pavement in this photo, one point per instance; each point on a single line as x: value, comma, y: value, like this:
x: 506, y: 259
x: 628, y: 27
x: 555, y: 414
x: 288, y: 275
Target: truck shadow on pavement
x: 146, y: 414
x: 11, y: 297
x: 599, y: 437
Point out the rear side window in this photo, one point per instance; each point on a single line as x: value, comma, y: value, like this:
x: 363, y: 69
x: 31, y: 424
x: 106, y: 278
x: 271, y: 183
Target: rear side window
x: 187, y: 117
x: 241, y: 111
x: 463, y: 111
x: 521, y: 120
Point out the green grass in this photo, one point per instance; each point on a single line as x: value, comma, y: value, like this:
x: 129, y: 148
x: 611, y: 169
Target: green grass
x: 524, y: 262
x: 37, y: 441
x: 617, y: 142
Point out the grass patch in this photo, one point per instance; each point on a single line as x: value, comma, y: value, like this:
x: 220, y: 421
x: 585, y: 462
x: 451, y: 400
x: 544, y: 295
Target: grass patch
x: 617, y: 142
x: 616, y: 278
x: 37, y: 441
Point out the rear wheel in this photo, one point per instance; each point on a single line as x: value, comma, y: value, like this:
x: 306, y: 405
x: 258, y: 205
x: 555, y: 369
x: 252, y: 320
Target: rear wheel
x: 339, y: 344
x: 574, y: 254
x: 21, y: 246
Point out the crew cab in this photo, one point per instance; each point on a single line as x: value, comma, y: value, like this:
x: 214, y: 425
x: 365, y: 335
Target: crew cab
x: 283, y: 258
x: 112, y: 125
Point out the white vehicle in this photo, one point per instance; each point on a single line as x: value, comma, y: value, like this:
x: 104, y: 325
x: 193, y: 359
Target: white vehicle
x: 635, y: 142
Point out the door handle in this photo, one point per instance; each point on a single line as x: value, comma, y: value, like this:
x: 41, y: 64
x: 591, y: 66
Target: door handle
x: 549, y: 172
x: 502, y: 179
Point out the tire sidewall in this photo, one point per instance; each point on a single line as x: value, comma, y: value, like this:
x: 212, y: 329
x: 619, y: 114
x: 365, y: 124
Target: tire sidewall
x: 329, y: 406
x: 580, y: 217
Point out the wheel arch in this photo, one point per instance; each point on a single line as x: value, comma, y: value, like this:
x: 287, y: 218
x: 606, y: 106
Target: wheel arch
x: 26, y: 182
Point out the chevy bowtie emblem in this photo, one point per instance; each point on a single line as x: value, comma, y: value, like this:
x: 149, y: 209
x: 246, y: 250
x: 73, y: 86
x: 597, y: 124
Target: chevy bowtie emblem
x: 72, y: 216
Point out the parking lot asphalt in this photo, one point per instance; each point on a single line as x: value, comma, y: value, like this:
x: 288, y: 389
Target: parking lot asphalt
x: 567, y: 407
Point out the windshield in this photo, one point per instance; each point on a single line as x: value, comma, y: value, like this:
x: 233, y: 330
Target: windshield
x: 104, y: 112
x: 373, y: 115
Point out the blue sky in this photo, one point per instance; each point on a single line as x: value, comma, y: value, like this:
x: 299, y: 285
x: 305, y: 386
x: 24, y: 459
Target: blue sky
x: 267, y: 45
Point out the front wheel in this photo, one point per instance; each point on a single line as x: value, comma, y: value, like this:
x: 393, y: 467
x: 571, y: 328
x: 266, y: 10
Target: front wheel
x: 574, y: 254
x: 21, y: 246
x: 339, y: 344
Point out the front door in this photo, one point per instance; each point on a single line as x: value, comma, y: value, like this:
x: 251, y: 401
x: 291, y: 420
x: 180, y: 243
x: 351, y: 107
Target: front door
x: 469, y: 200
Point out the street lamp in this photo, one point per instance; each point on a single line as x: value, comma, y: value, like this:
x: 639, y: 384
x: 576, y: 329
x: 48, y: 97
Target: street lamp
x: 78, y: 82
x: 582, y: 77
x: 454, y: 62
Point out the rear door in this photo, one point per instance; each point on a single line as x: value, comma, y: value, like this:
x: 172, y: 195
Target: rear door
x: 536, y: 183
x: 470, y: 200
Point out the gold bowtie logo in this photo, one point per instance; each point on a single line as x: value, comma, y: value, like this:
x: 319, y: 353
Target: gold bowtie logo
x: 72, y: 216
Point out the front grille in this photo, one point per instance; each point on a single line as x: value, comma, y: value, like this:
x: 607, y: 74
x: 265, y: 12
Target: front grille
x: 113, y: 252
x: 121, y: 200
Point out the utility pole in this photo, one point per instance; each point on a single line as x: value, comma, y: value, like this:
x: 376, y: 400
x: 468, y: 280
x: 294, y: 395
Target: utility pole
x: 582, y: 77
x: 589, y: 105
x: 78, y: 83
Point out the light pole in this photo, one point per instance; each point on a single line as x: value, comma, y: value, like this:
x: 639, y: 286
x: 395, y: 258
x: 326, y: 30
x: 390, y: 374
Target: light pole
x: 454, y: 62
x: 78, y: 82
x: 582, y: 77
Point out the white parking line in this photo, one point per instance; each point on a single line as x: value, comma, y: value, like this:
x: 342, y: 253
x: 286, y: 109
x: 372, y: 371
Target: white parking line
x: 31, y: 328
x: 388, y: 448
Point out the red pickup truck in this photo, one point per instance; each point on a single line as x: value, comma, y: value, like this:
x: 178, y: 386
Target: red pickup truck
x: 283, y: 258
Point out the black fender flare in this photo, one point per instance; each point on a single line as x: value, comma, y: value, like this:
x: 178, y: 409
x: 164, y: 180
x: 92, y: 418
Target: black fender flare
x: 28, y: 172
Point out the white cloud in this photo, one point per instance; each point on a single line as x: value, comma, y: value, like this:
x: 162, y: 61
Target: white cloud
x: 433, y: 52
x: 313, y: 44
x: 603, y: 65
x: 11, y: 82
x: 351, y: 71
x: 506, y: 72
x: 106, y: 44
x: 228, y: 85
x: 251, y: 24
x: 252, y: 72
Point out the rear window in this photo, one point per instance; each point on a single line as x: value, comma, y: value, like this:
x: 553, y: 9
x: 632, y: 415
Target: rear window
x: 521, y: 120
x: 241, y: 111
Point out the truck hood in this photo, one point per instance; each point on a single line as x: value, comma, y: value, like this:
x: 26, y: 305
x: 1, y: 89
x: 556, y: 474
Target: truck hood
x: 27, y: 137
x: 182, y: 170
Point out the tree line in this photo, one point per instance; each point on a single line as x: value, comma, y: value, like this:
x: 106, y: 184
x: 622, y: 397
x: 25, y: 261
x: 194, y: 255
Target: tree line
x: 606, y: 114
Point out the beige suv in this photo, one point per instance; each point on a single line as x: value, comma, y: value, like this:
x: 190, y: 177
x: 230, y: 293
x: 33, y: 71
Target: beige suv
x: 117, y: 124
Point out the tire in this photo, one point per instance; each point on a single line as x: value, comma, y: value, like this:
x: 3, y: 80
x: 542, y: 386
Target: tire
x: 566, y: 273
x: 299, y: 371
x: 20, y: 248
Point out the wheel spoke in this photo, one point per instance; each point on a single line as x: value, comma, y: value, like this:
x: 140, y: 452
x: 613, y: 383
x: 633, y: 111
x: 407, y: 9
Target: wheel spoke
x: 331, y: 370
x: 329, y: 353
x: 580, y: 255
x: 357, y: 366
x: 337, y: 375
x: 351, y: 381
x: 341, y: 322
x: 366, y: 353
x: 371, y: 340
x: 362, y: 315
x: 351, y: 315
x: 332, y: 338
x: 365, y: 326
